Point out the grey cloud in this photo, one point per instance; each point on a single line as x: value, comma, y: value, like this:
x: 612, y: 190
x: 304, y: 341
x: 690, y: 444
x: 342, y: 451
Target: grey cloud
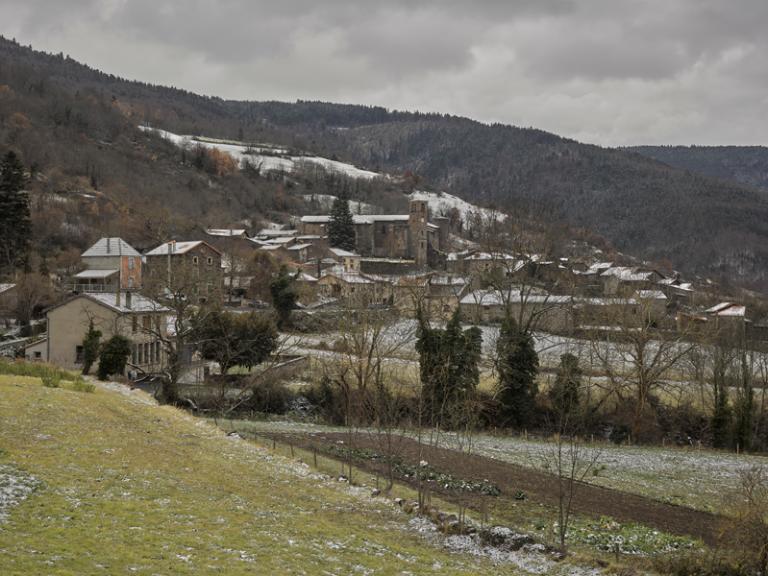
x: 610, y: 72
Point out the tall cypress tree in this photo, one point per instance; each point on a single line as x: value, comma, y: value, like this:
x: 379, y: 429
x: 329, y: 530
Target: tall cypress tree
x: 564, y: 393
x: 341, y: 228
x: 517, y: 365
x: 15, y: 224
x: 448, y: 361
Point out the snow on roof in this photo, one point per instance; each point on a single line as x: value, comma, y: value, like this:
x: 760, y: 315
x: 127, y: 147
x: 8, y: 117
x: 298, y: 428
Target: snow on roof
x: 490, y: 256
x: 175, y: 248
x: 271, y: 247
x: 226, y: 232
x: 110, y: 247
x: 138, y: 303
x: 299, y: 246
x: 341, y: 253
x: 626, y: 274
x: 96, y: 273
x: 6, y: 287
x: 727, y: 309
x: 281, y: 240
x: 513, y: 295
x: 274, y: 232
x: 304, y: 277
x: 650, y: 295
x: 447, y: 280
x: 358, y: 218
x: 348, y: 277
x: 718, y: 307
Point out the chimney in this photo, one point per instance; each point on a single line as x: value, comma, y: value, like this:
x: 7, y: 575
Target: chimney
x: 109, y: 248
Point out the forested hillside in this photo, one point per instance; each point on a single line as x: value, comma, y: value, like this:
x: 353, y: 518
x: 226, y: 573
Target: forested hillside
x: 745, y: 164
x: 75, y: 122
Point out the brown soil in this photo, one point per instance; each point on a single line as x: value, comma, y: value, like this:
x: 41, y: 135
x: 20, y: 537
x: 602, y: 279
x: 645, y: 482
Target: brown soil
x: 539, y: 487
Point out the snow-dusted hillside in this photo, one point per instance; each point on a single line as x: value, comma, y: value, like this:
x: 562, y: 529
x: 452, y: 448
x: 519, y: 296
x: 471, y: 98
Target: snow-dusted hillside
x: 271, y: 158
x: 266, y: 157
x: 325, y: 202
x: 441, y: 203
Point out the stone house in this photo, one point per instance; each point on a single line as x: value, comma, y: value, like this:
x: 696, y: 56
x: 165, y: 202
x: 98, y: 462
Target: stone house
x: 355, y: 290
x: 140, y: 319
x: 548, y: 312
x: 624, y: 280
x: 193, y: 268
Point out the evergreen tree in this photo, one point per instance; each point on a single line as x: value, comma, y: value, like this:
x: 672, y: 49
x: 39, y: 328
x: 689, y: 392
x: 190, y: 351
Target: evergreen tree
x: 448, y: 362
x: 745, y: 406
x: 341, y: 228
x: 564, y: 393
x: 91, y: 343
x: 15, y: 224
x: 517, y: 365
x: 284, y: 296
x: 721, y: 416
x: 114, y: 356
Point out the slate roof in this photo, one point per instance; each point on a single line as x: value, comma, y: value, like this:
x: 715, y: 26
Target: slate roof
x: 110, y: 247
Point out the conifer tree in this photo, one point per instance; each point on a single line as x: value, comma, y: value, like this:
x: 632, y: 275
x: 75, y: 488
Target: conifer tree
x: 517, y: 365
x: 91, y: 344
x: 15, y: 226
x: 448, y: 361
x: 564, y: 393
x: 341, y: 228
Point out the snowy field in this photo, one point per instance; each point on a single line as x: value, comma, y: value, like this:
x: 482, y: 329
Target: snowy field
x: 266, y: 158
x: 441, y: 203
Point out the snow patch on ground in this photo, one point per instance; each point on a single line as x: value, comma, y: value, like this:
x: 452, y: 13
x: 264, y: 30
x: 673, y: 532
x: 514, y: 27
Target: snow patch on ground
x: 15, y: 487
x: 441, y: 203
x: 266, y: 158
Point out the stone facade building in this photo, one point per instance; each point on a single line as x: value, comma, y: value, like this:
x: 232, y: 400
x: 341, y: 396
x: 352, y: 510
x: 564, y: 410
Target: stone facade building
x: 395, y: 236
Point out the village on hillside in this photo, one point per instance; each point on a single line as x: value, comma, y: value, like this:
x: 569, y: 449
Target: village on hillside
x: 404, y: 263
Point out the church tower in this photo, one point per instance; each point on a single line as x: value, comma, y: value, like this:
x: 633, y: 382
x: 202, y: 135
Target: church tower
x: 417, y: 222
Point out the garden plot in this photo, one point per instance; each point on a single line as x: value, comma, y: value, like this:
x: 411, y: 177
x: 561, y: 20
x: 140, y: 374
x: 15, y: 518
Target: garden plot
x: 701, y: 479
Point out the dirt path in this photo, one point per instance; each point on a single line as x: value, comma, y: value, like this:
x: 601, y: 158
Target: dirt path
x: 540, y: 487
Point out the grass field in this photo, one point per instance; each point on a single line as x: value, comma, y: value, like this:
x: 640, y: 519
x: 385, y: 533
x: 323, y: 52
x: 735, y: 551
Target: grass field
x: 119, y: 485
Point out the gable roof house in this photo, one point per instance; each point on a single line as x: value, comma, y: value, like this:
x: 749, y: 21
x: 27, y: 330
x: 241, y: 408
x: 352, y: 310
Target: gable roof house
x: 141, y: 320
x: 110, y: 264
x: 193, y: 268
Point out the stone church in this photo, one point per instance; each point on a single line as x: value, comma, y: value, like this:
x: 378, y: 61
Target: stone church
x: 409, y: 236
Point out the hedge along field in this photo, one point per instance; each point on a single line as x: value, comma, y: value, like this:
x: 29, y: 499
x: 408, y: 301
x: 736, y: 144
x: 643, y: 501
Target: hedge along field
x: 122, y: 485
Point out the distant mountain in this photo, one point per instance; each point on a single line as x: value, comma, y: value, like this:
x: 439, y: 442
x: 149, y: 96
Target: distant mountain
x: 642, y: 206
x: 744, y: 164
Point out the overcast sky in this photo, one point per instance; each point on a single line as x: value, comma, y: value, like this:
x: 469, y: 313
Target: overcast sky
x: 612, y: 72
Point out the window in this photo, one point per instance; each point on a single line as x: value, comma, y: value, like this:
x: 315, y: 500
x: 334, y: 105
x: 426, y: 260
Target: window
x: 146, y: 323
x: 79, y: 355
x: 140, y: 359
x: 38, y: 355
x: 194, y: 260
x: 134, y: 324
x: 210, y: 261
x: 131, y: 263
x: 130, y: 282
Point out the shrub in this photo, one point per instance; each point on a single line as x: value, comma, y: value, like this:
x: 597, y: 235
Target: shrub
x: 51, y: 379
x: 80, y: 385
x: 270, y: 397
x: 113, y: 357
